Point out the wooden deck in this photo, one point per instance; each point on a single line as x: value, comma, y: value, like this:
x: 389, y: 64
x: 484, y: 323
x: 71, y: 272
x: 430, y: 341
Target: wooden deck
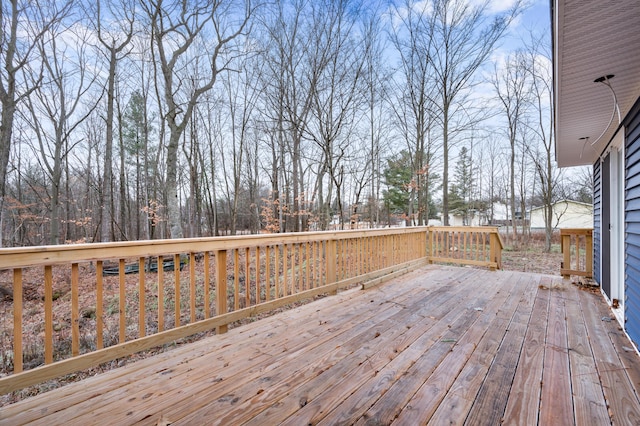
x: 441, y: 345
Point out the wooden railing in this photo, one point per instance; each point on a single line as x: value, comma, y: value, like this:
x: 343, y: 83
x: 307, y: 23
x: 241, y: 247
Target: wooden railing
x: 93, y: 303
x: 577, y: 252
x: 478, y: 246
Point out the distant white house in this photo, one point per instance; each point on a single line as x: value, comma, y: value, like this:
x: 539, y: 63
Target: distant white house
x: 456, y: 218
x: 479, y: 218
x: 566, y: 214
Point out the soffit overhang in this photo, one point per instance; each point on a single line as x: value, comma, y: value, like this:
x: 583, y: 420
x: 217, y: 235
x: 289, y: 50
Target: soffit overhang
x: 591, y: 39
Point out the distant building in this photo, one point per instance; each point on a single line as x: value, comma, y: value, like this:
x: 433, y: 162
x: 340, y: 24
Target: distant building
x: 566, y: 214
x: 473, y: 218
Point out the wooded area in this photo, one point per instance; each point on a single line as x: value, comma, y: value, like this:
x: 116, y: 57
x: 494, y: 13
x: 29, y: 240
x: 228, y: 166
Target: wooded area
x: 130, y: 119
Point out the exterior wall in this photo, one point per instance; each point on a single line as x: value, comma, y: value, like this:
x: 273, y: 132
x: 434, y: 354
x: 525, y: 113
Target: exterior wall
x: 632, y: 225
x: 565, y: 215
x: 597, y: 222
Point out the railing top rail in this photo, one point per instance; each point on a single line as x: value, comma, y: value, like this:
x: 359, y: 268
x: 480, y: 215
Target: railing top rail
x: 483, y: 229
x: 50, y: 255
x: 576, y: 231
x: 499, y: 240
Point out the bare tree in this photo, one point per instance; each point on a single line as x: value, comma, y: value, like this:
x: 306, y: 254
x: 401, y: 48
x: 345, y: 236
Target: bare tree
x: 336, y: 99
x: 541, y: 124
x: 114, y: 31
x: 464, y: 36
x: 299, y: 38
x: 177, y: 28
x: 241, y: 96
x: 59, y: 105
x: 412, y: 38
x: 511, y: 87
x: 375, y: 76
x: 23, y: 24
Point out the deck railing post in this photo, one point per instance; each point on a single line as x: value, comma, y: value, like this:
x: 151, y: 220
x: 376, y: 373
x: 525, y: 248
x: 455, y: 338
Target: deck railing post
x: 566, y: 253
x: 493, y: 251
x: 221, y: 287
x: 589, y: 254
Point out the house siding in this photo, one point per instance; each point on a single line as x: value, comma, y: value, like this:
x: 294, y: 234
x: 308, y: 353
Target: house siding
x: 632, y: 226
x: 597, y: 211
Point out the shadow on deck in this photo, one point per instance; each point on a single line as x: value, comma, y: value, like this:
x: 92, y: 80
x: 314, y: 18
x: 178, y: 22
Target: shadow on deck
x: 441, y: 345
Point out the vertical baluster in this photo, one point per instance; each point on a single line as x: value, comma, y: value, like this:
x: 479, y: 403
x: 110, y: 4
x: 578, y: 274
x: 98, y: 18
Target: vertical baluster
x: 141, y: 297
x: 316, y: 261
x: 367, y: 255
x: 285, y: 271
x: 121, y: 302
x: 330, y: 261
x: 160, y: 294
x: 295, y: 276
x: 340, y: 260
x: 247, y: 276
x: 48, y: 315
x: 589, y: 253
x: 236, y: 281
x: 257, y: 275
x: 276, y: 277
x: 486, y: 246
x: 99, y: 306
x: 176, y: 284
x: 267, y: 273
x: 17, y: 320
x: 192, y: 286
x: 75, y: 317
x: 308, y: 266
x: 474, y: 245
x: 207, y: 281
x: 464, y: 246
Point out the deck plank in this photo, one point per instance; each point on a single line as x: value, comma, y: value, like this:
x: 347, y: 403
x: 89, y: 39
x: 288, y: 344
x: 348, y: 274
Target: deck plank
x: 556, y: 402
x: 324, y: 364
x: 440, y: 345
x: 174, y: 365
x: 457, y: 402
x: 176, y: 360
x: 620, y: 395
x: 233, y: 371
x: 588, y: 397
x: 524, y: 399
x: 427, y: 399
x: 491, y: 400
x: 352, y: 370
x: 429, y: 348
x: 226, y: 374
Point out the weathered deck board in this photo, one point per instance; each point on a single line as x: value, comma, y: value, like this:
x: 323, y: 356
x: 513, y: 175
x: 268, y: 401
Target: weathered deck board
x: 441, y: 345
x: 427, y: 399
x: 556, y: 401
x: 620, y: 394
x: 524, y: 399
x: 588, y: 397
x: 490, y: 403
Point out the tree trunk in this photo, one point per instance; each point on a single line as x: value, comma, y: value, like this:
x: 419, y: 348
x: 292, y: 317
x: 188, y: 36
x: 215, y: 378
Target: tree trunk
x: 107, y: 180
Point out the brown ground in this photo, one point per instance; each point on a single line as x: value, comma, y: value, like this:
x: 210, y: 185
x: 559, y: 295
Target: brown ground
x: 532, y: 261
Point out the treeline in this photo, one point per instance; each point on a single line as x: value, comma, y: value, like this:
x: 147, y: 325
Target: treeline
x: 131, y: 119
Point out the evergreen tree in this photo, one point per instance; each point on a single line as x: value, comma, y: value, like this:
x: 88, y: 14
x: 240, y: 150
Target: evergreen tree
x: 398, y: 197
x: 460, y: 196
